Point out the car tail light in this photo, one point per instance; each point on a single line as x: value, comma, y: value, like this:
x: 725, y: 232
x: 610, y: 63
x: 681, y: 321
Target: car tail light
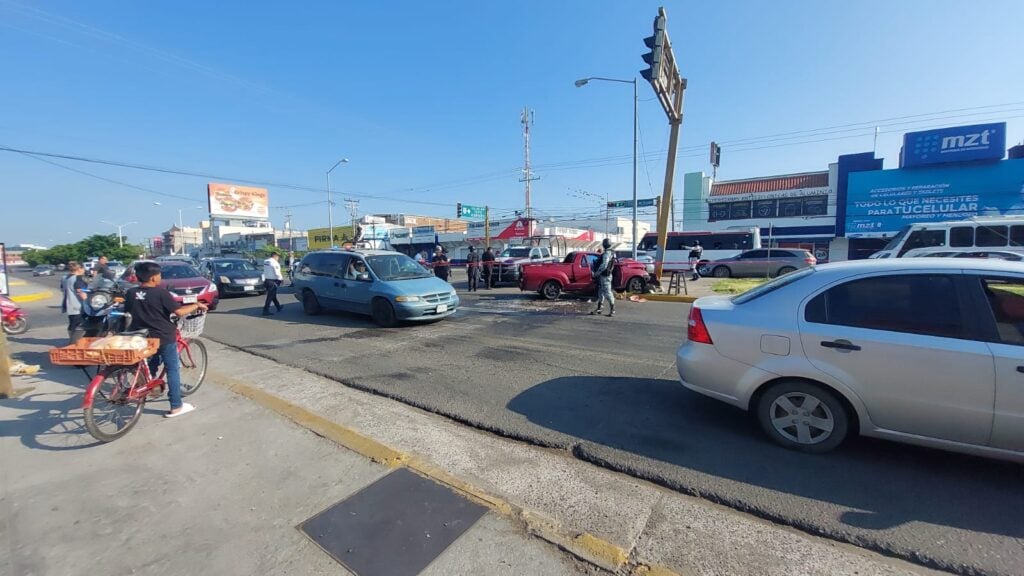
x: 696, y: 330
x: 811, y: 260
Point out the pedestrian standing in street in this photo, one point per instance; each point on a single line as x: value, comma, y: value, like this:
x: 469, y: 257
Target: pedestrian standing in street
x: 473, y: 269
x: 605, y: 268
x: 73, y: 291
x: 101, y: 270
x: 291, y: 268
x: 695, y: 255
x: 272, y: 281
x: 488, y: 262
x: 440, y: 263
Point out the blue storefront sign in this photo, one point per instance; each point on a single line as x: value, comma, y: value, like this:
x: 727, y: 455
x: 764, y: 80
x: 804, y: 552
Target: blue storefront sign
x: 957, y: 144
x: 884, y: 201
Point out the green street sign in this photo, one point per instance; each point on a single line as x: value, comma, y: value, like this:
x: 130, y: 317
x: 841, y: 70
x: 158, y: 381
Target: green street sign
x: 467, y: 211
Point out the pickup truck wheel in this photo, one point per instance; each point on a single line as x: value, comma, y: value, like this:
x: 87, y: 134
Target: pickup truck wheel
x: 551, y: 290
x: 635, y: 285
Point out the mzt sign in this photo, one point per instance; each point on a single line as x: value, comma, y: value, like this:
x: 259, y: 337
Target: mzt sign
x: 884, y: 201
x: 959, y: 144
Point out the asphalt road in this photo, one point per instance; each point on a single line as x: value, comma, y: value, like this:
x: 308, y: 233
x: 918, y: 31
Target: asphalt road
x: 606, y: 390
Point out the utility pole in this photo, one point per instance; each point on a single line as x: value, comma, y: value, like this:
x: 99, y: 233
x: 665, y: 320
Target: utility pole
x: 353, y: 208
x: 526, y: 118
x: 487, y: 226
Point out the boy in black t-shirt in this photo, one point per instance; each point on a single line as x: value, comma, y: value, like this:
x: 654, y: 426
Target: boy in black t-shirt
x: 151, y: 307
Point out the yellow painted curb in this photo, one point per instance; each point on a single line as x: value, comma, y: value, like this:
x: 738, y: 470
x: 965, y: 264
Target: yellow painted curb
x: 585, y: 546
x: 18, y: 283
x: 669, y: 298
x: 22, y: 298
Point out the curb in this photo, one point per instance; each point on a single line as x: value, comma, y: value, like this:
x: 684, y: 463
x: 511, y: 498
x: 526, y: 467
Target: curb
x: 584, y: 546
x: 35, y: 296
x: 669, y: 298
x: 18, y: 283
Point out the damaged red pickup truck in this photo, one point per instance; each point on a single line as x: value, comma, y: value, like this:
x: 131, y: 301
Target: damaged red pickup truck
x: 575, y: 274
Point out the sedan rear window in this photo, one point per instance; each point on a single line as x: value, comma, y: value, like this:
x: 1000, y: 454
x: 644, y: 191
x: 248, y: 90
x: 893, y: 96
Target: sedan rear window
x: 772, y: 286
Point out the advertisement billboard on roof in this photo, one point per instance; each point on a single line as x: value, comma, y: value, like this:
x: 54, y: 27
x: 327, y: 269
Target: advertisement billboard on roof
x: 882, y: 202
x: 234, y: 201
x: 957, y: 144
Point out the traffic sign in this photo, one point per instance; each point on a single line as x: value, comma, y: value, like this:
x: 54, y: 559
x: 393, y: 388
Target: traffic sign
x: 467, y: 211
x: 641, y: 203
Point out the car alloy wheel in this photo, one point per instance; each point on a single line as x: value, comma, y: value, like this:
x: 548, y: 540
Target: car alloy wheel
x: 635, y: 285
x: 785, y: 270
x: 803, y: 416
x: 551, y: 290
x: 721, y: 272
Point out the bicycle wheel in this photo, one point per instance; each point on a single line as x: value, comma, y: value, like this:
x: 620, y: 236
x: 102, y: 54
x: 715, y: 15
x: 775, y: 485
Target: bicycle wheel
x: 112, y: 415
x: 192, y: 355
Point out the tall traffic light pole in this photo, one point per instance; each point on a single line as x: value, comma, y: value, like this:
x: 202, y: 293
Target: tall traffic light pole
x: 663, y: 74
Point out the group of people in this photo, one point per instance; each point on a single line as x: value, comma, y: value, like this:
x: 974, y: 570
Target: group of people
x: 477, y: 266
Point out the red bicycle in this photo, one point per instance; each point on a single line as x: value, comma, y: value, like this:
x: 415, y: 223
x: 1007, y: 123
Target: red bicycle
x: 117, y: 394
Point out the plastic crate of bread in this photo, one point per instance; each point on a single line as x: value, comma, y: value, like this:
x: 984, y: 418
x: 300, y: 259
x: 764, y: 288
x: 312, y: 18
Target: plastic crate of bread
x: 105, y: 351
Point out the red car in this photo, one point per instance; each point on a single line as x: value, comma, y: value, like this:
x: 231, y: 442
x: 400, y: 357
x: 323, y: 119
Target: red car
x: 182, y: 279
x: 574, y: 274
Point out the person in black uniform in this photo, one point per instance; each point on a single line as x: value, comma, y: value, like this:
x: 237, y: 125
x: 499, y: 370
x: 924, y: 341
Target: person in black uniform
x: 488, y: 262
x: 473, y: 268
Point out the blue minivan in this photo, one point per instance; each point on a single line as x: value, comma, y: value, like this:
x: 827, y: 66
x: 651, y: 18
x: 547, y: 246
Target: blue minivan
x: 389, y: 286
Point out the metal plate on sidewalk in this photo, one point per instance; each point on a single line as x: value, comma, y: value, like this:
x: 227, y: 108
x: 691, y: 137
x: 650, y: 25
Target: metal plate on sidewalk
x: 394, y: 527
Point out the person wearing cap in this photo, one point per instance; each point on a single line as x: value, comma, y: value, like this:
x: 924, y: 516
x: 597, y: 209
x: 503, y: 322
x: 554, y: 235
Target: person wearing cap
x: 440, y: 263
x: 603, y: 274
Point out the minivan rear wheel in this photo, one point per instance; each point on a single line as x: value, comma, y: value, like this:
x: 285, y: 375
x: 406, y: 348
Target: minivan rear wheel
x: 384, y: 313
x: 310, y: 305
x: 803, y: 416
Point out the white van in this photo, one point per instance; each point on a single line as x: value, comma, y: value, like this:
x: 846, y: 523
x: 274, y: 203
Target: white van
x: 1003, y: 233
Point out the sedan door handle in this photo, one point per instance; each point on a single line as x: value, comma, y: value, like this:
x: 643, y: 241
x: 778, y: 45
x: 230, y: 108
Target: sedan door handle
x: 1020, y: 369
x: 840, y: 345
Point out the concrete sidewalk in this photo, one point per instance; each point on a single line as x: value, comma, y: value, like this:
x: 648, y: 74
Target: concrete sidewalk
x: 220, y: 491
x: 236, y: 480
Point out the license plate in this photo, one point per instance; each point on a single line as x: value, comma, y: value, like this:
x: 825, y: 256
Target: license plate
x: 442, y: 308
x: 249, y: 288
x: 189, y: 299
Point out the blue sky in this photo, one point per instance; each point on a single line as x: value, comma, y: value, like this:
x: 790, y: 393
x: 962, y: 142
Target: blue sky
x: 424, y: 98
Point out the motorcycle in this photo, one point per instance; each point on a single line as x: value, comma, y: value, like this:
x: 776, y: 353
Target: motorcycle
x: 13, y: 318
x: 102, y: 313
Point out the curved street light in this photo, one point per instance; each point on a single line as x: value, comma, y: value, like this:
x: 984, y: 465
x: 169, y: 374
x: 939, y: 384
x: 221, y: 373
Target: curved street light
x: 330, y: 205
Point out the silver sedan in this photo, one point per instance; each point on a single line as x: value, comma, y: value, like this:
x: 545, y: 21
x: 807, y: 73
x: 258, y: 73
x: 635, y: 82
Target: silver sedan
x: 925, y: 351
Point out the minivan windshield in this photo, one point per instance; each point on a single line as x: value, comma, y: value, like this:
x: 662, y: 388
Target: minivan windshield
x: 396, y: 267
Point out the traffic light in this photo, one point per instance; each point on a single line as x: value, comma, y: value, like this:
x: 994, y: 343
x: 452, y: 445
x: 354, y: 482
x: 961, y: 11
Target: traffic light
x: 716, y: 155
x: 458, y: 210
x: 656, y: 43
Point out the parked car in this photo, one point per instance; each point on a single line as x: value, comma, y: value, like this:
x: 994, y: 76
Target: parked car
x: 510, y: 262
x: 234, y: 276
x: 642, y: 257
x: 177, y: 258
x: 389, y: 286
x: 43, y: 270
x: 116, y: 267
x: 974, y: 253
x: 575, y: 274
x: 185, y: 283
x: 924, y: 351
x: 759, y: 263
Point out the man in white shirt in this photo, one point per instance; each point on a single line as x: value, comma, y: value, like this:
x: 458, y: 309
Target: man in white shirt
x: 271, y: 280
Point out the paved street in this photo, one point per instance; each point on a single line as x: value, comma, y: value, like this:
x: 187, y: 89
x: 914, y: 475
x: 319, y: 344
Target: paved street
x: 605, y: 390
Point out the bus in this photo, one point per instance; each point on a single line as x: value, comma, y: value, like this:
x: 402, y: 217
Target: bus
x: 996, y: 232
x: 725, y: 244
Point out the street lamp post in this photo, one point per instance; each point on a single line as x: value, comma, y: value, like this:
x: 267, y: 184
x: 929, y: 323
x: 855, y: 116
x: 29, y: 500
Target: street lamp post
x: 583, y: 82
x: 120, y: 237
x: 330, y: 205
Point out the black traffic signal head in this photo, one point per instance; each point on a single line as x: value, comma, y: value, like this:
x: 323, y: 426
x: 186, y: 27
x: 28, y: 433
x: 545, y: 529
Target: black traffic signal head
x: 458, y: 210
x: 656, y: 44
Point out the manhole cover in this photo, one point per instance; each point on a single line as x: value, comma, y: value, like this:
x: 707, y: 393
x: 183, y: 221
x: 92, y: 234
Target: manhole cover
x: 394, y: 527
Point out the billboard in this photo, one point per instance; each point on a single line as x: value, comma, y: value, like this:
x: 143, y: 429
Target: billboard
x: 234, y: 201
x: 422, y: 234
x: 319, y: 238
x: 884, y: 201
x: 957, y: 144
